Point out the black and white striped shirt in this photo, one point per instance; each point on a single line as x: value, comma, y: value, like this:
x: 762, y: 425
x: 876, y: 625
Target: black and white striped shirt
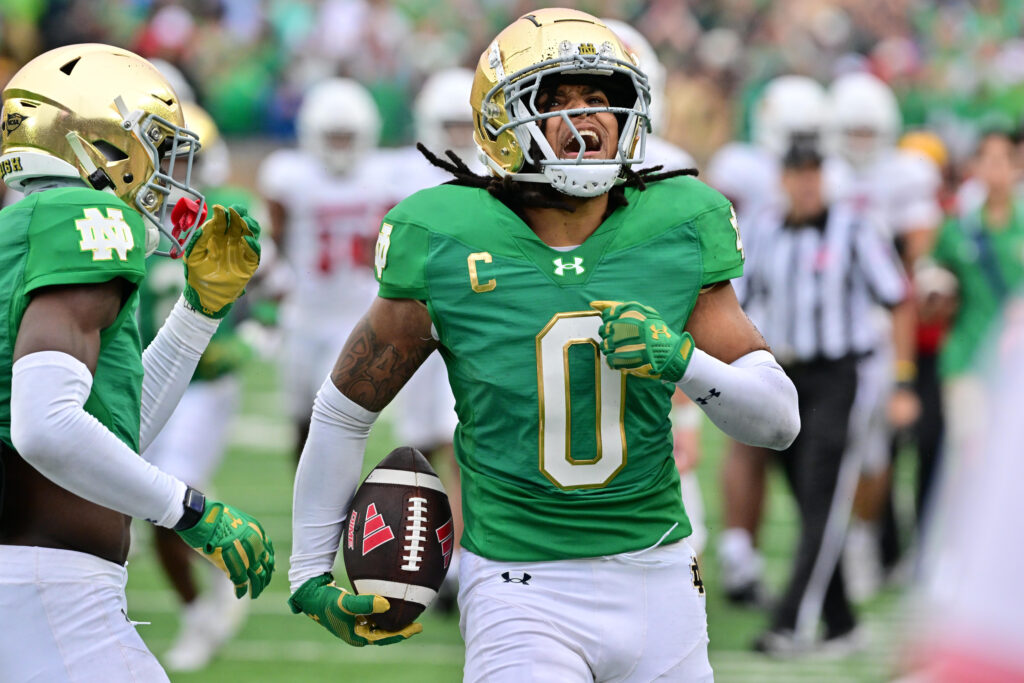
x: 811, y: 288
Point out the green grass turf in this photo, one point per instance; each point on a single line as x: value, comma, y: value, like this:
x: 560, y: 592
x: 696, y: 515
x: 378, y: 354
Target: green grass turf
x: 275, y: 645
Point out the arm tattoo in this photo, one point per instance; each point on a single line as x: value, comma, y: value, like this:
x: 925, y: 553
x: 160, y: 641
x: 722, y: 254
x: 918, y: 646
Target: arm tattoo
x: 370, y: 371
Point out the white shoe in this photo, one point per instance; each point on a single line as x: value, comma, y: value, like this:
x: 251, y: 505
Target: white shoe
x: 841, y: 646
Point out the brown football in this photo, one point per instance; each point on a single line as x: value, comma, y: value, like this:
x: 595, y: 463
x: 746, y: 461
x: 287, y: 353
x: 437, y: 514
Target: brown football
x: 399, y: 536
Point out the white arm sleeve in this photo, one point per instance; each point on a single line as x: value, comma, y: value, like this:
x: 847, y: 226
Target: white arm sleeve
x: 54, y: 434
x: 752, y: 399
x: 326, y: 481
x: 168, y: 363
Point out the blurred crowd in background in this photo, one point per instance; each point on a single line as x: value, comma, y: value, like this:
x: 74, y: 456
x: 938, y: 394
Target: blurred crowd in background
x: 956, y: 69
x: 954, y: 64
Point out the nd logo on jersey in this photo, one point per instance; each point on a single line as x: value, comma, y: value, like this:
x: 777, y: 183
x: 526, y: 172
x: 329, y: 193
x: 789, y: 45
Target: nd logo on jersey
x: 104, y: 235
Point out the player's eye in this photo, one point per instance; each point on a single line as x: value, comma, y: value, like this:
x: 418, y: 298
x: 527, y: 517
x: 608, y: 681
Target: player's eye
x: 550, y: 104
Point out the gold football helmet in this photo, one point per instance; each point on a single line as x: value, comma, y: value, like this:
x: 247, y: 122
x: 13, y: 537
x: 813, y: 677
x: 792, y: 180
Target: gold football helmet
x: 508, y: 123
x: 105, y: 115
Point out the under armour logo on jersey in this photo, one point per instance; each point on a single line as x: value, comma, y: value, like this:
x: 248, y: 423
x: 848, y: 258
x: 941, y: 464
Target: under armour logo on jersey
x: 375, y: 532
x: 104, y: 235
x: 713, y: 393
x: 576, y: 266
x: 524, y: 579
x: 446, y: 537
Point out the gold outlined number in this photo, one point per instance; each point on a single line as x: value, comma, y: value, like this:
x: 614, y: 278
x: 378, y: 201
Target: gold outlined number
x: 557, y: 462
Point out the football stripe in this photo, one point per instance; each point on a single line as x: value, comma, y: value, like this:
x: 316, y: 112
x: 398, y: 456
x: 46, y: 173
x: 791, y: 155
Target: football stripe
x: 393, y: 589
x: 405, y: 478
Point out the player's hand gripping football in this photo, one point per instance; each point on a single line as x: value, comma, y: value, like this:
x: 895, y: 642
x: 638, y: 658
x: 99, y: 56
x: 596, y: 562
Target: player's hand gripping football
x: 236, y: 544
x: 635, y: 339
x: 346, y: 614
x: 220, y: 258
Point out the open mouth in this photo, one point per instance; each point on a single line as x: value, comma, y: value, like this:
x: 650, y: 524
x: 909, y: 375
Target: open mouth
x: 591, y: 141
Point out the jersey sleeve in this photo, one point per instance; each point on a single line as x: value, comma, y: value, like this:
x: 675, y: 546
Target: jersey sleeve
x: 720, y: 244
x: 400, y: 258
x: 83, y: 237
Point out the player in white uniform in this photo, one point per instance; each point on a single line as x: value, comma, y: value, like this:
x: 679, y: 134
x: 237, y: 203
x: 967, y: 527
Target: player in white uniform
x: 866, y: 167
x: 325, y: 201
x: 749, y: 174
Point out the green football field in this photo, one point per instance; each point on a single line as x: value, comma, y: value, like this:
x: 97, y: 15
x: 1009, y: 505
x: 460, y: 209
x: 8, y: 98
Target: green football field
x: 275, y: 645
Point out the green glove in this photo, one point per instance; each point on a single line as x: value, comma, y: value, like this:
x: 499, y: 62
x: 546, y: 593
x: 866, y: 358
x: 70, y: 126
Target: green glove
x: 220, y: 259
x: 345, y: 614
x: 635, y: 339
x: 236, y: 544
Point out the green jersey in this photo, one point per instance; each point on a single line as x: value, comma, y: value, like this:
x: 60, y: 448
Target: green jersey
x: 989, y: 265
x: 560, y: 456
x: 72, y: 236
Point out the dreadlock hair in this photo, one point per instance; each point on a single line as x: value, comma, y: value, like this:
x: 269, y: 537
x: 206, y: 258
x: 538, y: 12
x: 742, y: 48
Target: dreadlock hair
x: 518, y: 196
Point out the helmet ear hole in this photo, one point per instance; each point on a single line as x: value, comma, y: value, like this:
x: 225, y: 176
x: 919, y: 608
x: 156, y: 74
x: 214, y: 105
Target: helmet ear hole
x: 109, y: 151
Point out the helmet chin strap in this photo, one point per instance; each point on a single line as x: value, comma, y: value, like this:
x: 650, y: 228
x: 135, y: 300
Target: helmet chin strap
x: 582, y: 181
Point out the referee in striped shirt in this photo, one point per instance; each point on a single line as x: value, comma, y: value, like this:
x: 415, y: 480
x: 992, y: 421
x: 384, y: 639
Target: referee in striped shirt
x: 814, y: 273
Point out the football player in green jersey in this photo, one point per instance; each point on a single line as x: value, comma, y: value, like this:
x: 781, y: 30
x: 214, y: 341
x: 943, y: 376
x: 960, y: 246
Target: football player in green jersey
x: 568, y: 296
x: 92, y: 134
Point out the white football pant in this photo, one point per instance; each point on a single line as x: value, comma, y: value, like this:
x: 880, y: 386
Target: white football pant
x: 63, y: 616
x: 636, y: 617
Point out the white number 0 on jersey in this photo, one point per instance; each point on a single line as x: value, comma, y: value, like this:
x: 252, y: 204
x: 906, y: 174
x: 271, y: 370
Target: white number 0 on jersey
x: 557, y: 463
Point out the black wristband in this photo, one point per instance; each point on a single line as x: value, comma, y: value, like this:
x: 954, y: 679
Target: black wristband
x: 194, y: 504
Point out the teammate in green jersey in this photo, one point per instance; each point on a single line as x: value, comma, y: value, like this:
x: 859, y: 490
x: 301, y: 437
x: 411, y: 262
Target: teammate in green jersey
x: 568, y: 296
x: 92, y: 135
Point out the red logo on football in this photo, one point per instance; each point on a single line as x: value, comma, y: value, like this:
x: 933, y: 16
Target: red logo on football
x: 375, y: 532
x: 446, y: 537
x: 352, y: 529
